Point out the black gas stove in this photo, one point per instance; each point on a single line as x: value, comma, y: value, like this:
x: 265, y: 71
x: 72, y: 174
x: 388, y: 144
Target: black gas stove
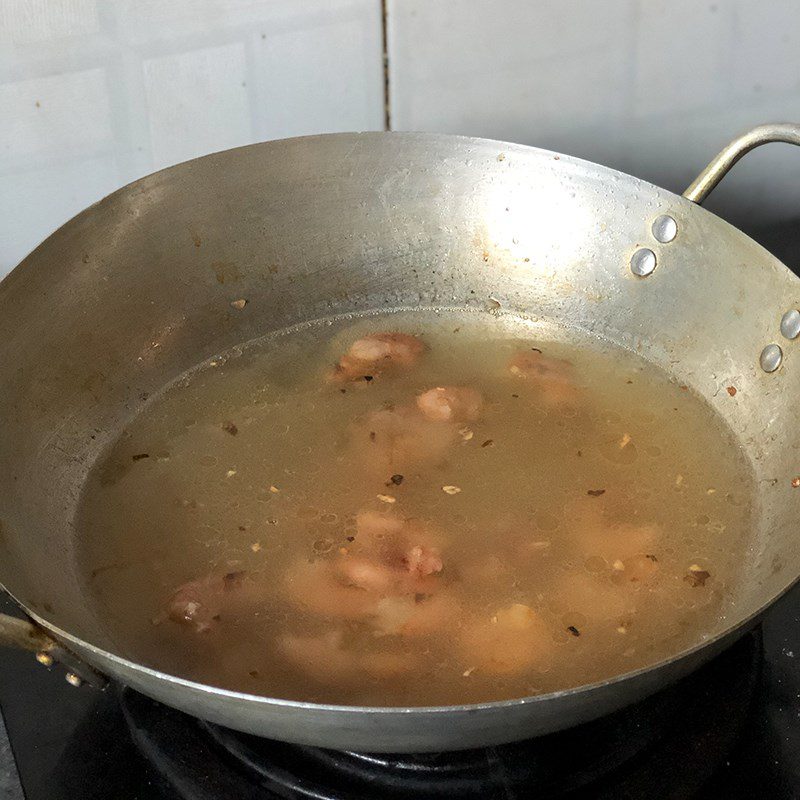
x: 731, y: 730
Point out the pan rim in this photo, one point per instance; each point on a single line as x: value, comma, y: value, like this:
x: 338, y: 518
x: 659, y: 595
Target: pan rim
x: 739, y: 626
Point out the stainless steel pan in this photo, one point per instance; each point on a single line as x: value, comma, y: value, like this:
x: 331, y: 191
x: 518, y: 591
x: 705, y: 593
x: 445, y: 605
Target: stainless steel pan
x: 125, y: 297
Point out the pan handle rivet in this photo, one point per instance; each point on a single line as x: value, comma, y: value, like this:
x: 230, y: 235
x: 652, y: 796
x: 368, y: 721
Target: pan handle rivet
x: 790, y: 324
x: 664, y: 228
x: 73, y: 680
x: 771, y: 357
x: 643, y: 262
x: 44, y: 658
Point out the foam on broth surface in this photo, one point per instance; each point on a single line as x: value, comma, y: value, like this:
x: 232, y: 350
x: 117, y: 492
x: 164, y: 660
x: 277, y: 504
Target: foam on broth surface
x: 580, y: 534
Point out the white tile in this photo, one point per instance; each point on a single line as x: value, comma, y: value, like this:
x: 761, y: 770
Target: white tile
x: 157, y: 20
x: 320, y: 78
x: 127, y: 86
x: 25, y: 21
x: 651, y: 87
x: 548, y: 74
x: 197, y: 102
x: 148, y: 21
x: 684, y: 50
x: 474, y: 37
x: 557, y: 106
x: 767, y: 47
x: 54, y: 117
x: 34, y: 203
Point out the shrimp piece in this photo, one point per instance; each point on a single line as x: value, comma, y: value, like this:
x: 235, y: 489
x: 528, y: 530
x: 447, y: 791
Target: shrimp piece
x: 395, y: 440
x: 517, y: 616
x: 321, y: 656
x: 416, y: 615
x: 450, y: 404
x: 392, y: 614
x: 390, y: 557
x: 422, y: 560
x: 405, y: 544
x: 636, y: 570
x: 349, y: 587
x: 614, y: 542
x: 373, y: 576
x: 387, y: 573
x: 364, y: 573
x: 200, y: 603
x: 317, y: 587
x: 371, y: 355
x: 513, y: 640
x: 553, y: 377
x: 399, y: 348
x: 325, y: 659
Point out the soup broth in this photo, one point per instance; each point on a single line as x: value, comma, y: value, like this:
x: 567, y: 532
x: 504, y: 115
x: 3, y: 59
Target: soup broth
x: 416, y: 508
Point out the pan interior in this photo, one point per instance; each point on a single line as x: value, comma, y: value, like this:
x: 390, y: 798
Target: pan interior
x: 589, y: 522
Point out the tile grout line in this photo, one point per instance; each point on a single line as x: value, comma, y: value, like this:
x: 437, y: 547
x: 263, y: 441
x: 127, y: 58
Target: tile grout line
x: 387, y: 109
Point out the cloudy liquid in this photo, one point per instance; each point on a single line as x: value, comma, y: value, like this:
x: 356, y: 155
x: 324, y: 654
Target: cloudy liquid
x: 578, y: 540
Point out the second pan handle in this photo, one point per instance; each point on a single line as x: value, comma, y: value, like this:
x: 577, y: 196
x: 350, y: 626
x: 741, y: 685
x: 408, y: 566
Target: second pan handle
x: 25, y: 634
x: 705, y: 182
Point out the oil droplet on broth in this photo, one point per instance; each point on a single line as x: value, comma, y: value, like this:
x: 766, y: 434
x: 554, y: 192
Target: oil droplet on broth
x: 563, y: 557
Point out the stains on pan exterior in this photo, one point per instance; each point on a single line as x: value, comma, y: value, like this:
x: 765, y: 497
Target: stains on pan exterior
x: 138, y: 288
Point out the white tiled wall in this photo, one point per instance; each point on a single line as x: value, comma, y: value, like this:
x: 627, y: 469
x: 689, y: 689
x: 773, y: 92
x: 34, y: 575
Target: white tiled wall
x: 95, y: 93
x: 28, y: 21
x: 651, y: 87
x: 72, y: 110
x: 181, y: 87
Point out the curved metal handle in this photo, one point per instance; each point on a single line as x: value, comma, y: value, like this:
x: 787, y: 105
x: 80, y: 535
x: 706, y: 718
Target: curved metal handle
x: 25, y: 634
x: 701, y: 187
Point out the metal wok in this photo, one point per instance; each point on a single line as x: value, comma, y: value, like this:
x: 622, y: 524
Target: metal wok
x: 125, y: 297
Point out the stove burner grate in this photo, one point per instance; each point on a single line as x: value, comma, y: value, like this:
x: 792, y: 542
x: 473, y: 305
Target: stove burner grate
x: 693, y: 724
